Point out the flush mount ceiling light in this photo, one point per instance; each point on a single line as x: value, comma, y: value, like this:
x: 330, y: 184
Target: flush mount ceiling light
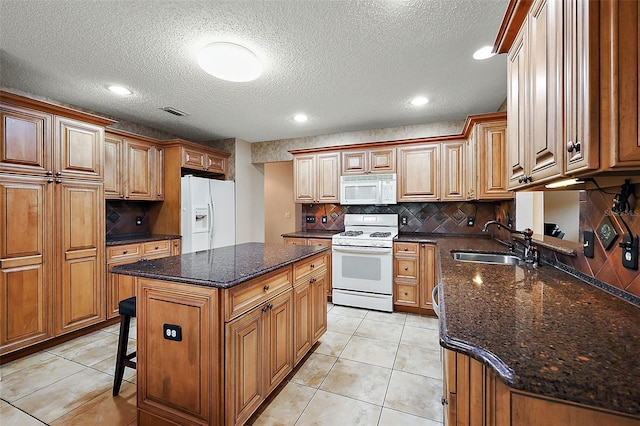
x: 419, y: 101
x: 230, y: 62
x: 300, y: 118
x: 119, y: 90
x: 483, y: 53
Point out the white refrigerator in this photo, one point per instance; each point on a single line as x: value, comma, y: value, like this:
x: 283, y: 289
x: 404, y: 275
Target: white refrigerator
x: 208, y: 213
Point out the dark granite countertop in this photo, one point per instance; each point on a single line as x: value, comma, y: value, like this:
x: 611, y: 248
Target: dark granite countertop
x: 543, y: 330
x: 115, y: 240
x: 426, y: 237
x: 311, y: 234
x: 222, y: 267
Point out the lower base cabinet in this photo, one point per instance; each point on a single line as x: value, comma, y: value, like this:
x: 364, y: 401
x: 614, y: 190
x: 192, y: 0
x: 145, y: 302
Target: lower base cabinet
x: 237, y: 345
x: 414, y: 276
x: 474, y: 395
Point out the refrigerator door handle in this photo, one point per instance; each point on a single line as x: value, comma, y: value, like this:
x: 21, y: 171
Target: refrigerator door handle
x: 212, y: 206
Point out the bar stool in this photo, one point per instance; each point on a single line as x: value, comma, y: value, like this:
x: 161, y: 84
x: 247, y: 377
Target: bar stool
x: 127, y: 308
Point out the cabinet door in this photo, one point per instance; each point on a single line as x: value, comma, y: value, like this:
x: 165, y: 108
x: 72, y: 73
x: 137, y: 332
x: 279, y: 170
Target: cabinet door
x: 472, y: 161
x: 354, y: 162
x: 492, y: 149
x: 418, y: 176
x: 382, y: 160
x: 215, y: 164
x: 244, y: 368
x: 328, y: 178
x: 80, y: 250
x: 428, y: 274
x: 25, y: 259
x: 302, y: 308
x: 279, y: 340
x: 452, y: 166
x: 25, y: 144
x: 158, y: 175
x: 304, y: 178
x: 517, y: 93
x: 192, y: 159
x: 319, y: 306
x: 113, y: 168
x: 544, y: 135
x: 176, y: 247
x: 79, y: 149
x: 140, y: 169
x: 119, y: 287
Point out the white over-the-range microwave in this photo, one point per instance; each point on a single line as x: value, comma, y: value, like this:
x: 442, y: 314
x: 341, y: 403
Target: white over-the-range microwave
x: 368, y: 189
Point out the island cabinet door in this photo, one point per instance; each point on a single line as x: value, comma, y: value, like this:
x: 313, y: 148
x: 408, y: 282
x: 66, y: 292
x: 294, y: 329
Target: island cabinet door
x: 177, y: 373
x: 319, y: 306
x: 279, y: 340
x: 302, y: 320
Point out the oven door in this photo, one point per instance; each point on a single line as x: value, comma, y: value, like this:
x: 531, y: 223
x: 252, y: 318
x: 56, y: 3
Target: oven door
x: 365, y: 269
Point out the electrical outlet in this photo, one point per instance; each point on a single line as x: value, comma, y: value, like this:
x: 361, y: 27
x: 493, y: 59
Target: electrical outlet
x: 471, y: 221
x: 589, y: 239
x: 629, y: 246
x: 172, y: 332
x: 324, y: 219
x: 311, y: 219
x: 403, y: 220
x: 138, y: 220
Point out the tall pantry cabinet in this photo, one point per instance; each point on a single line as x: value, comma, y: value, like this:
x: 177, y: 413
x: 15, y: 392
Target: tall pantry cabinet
x: 52, y: 212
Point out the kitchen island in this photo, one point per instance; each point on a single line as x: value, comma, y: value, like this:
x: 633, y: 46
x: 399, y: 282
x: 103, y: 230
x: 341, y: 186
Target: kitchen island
x: 218, y: 330
x: 534, y: 346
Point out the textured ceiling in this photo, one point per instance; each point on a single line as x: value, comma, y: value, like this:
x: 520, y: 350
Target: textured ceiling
x: 348, y: 65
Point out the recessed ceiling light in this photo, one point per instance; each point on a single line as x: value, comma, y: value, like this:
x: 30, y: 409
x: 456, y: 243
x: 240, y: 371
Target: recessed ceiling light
x: 230, y: 62
x: 300, y: 118
x: 419, y: 101
x: 483, y: 53
x: 122, y: 91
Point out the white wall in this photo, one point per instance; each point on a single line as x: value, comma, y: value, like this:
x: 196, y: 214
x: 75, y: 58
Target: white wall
x: 563, y: 208
x: 281, y: 214
x: 249, y: 195
x: 530, y: 211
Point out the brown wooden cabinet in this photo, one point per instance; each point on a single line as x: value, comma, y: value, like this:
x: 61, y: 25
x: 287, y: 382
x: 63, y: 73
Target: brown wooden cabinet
x: 452, y: 171
x: 414, y: 275
x: 316, y: 178
x: 323, y: 242
x: 133, y: 168
x: 419, y: 173
x: 357, y: 162
x: 203, y: 160
x: 26, y: 146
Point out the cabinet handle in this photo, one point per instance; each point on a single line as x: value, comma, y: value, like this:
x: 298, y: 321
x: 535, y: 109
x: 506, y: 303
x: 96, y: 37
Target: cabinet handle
x: 444, y: 401
x: 266, y: 287
x: 571, y: 146
x: 58, y: 173
x: 49, y: 180
x: 265, y: 308
x: 125, y: 251
x: 58, y: 180
x: 156, y: 248
x: 312, y: 266
x: 49, y: 173
x: 312, y: 280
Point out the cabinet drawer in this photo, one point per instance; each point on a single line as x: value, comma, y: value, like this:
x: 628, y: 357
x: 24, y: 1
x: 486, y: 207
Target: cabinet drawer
x: 156, y: 248
x: 406, y: 294
x: 322, y: 242
x: 406, y: 248
x: 309, y: 266
x: 124, y: 251
x: 244, y: 297
x: 406, y: 267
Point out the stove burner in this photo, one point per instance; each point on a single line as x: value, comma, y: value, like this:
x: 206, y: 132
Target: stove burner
x: 350, y: 233
x: 380, y: 234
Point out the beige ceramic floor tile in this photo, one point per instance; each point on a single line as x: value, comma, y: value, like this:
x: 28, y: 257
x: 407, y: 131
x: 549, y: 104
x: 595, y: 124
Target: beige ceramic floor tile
x: 61, y: 397
x: 109, y: 366
x: 330, y: 306
x: 412, y: 359
x: 370, y: 351
x: 348, y: 311
x: 414, y: 394
x: 75, y: 344
x: 12, y: 416
x: 421, y: 337
x: 396, y: 418
x: 287, y: 407
x: 25, y: 362
x: 133, y: 331
x: 105, y: 409
x: 327, y: 409
x: 332, y: 343
x: 113, y: 329
x: 26, y: 381
x: 314, y: 370
x: 380, y: 330
x: 341, y: 323
x: 363, y: 382
x: 93, y: 352
x: 422, y: 321
x: 394, y: 317
x: 3, y: 403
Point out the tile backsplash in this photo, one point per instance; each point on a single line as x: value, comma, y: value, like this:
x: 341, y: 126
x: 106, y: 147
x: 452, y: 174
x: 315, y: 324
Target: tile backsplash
x: 421, y: 217
x: 121, y: 216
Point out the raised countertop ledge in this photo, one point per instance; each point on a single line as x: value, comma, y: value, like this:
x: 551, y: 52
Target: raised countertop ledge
x: 116, y: 240
x: 311, y: 234
x: 223, y: 267
x: 542, y: 330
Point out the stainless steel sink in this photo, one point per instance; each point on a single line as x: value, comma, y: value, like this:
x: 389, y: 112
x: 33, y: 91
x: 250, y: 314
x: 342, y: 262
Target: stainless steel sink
x: 494, y: 258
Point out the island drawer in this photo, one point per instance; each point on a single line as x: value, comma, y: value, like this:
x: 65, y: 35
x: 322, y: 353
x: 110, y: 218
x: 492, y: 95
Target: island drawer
x: 123, y: 252
x: 307, y: 267
x: 244, y: 297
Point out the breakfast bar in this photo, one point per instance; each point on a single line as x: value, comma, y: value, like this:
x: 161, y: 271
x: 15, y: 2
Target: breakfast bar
x: 239, y: 318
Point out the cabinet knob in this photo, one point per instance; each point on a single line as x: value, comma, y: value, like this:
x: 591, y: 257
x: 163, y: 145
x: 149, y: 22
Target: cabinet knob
x: 573, y: 146
x: 58, y: 180
x: 50, y: 181
x: 121, y: 195
x: 406, y: 268
x: 312, y: 266
x: 444, y: 401
x: 126, y: 196
x: 266, y: 287
x: 125, y: 251
x: 49, y: 173
x: 157, y: 247
x: 406, y: 249
x: 58, y: 173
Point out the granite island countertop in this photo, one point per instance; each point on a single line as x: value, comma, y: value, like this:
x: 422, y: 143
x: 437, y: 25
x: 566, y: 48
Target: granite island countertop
x: 542, y: 330
x: 222, y: 267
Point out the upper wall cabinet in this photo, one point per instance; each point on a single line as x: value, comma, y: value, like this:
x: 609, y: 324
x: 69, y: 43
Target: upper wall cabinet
x: 202, y: 160
x: 133, y: 168
x: 316, y: 177
x: 573, y: 98
x: 419, y: 173
x: 357, y: 162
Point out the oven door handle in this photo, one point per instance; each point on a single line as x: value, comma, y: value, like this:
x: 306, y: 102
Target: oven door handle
x: 363, y: 250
